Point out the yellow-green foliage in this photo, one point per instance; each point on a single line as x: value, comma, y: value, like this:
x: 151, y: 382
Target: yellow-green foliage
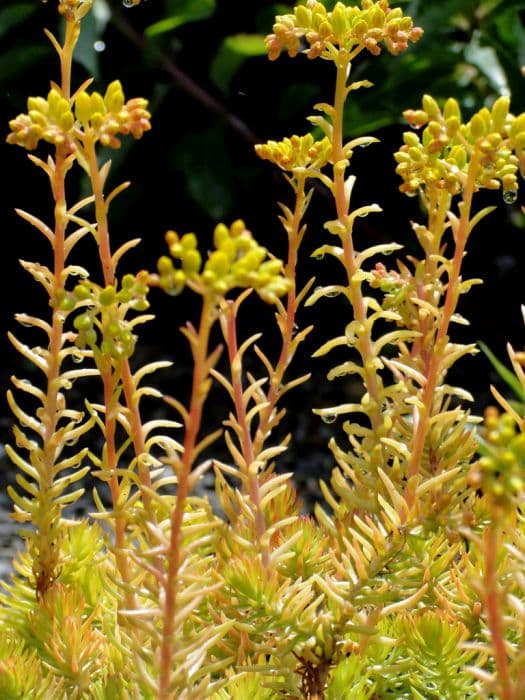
x: 410, y: 581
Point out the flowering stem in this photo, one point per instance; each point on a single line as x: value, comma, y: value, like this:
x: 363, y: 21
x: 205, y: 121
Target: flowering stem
x: 199, y: 342
x: 461, y: 235
x: 111, y: 377
x: 364, y: 344
x: 229, y: 327
x: 438, y: 206
x: 48, y: 516
x: 287, y: 320
x: 494, y: 614
x: 66, y: 55
x: 109, y: 278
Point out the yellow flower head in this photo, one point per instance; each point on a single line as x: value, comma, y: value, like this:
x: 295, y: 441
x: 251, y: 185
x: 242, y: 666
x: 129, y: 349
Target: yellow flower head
x: 52, y: 119
x: 48, y: 119
x: 442, y: 156
x: 344, y: 28
x: 297, y: 152
x: 236, y: 261
x: 111, y: 115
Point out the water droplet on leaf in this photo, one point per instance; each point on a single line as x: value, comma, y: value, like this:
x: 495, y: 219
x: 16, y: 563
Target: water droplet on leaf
x: 99, y: 46
x: 77, y: 357
x: 328, y: 418
x: 510, y: 196
x: 318, y: 256
x: 128, y: 3
x: 333, y: 293
x: 295, y: 329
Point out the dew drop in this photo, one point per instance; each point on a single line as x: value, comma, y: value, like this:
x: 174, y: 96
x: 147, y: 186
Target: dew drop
x: 128, y: 3
x: 295, y: 329
x: 99, y: 46
x: 510, y: 196
x: 328, y: 418
x: 333, y: 293
x: 411, y: 194
x: 318, y: 256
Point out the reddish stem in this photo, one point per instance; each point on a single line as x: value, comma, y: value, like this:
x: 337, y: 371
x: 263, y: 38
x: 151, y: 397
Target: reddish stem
x: 247, y: 445
x: 435, y: 363
x: 494, y: 614
x: 288, y: 329
x: 199, y: 392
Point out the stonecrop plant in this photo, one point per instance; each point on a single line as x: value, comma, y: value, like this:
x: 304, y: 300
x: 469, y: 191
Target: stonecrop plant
x: 409, y: 580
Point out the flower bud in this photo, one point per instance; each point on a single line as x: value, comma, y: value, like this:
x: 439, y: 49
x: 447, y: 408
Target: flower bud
x: 220, y: 234
x: 451, y: 109
x: 107, y: 296
x: 477, y: 127
x: 499, y: 112
x: 191, y: 262
x: 114, y: 97
x: 430, y: 106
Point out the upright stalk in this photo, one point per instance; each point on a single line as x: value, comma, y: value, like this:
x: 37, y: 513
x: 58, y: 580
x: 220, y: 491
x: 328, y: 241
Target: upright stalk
x: 47, y: 529
x: 249, y: 453
x: 461, y: 233
x: 287, y: 320
x: 104, y: 247
x: 494, y: 612
x: 199, y: 342
x: 364, y: 343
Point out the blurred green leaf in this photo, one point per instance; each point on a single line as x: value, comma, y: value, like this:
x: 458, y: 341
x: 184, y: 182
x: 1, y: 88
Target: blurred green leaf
x: 485, y: 59
x: 494, y: 8
x: 181, y: 12
x: 298, y: 99
x: 90, y: 42
x: 505, y: 373
x: 17, y: 60
x: 206, y: 164
x: 15, y: 14
x: 232, y: 53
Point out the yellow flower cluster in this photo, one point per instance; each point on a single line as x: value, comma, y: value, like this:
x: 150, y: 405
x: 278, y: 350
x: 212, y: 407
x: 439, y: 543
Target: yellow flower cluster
x: 48, y: 119
x: 500, y: 473
x: 297, y: 152
x: 441, y: 158
x: 52, y: 119
x: 347, y: 28
x: 111, y: 115
x: 237, y: 261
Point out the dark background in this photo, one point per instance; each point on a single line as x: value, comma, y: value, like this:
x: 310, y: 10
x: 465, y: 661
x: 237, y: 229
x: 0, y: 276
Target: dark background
x: 197, y: 167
